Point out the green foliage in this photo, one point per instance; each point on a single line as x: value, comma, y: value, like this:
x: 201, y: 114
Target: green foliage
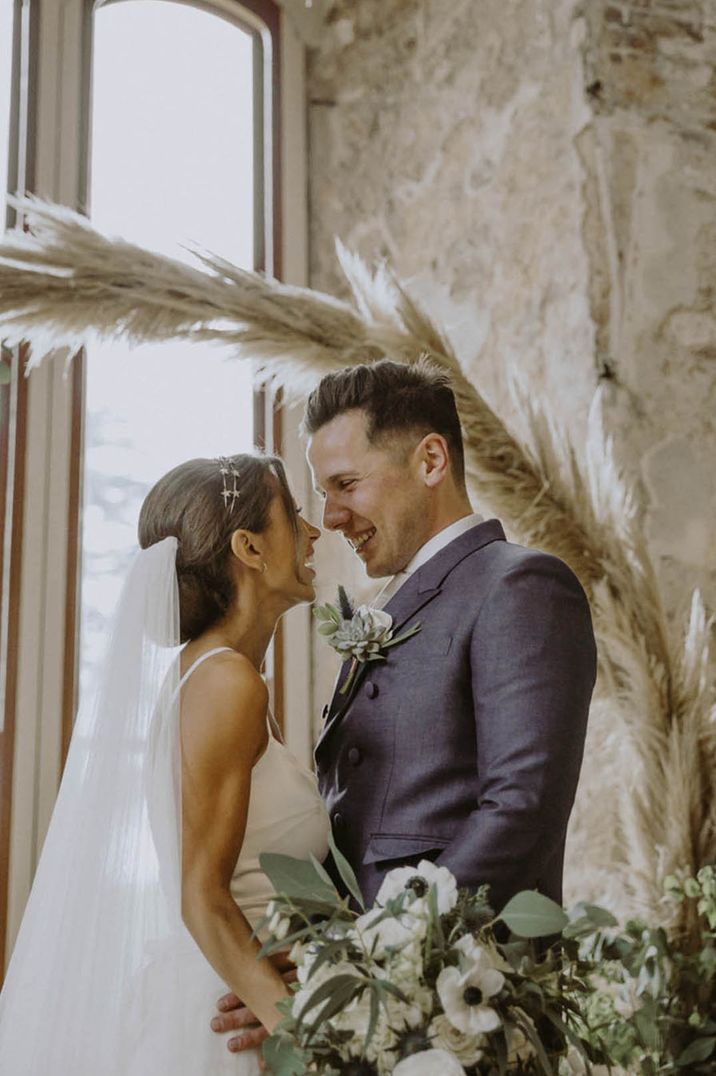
x: 654, y: 999
x: 627, y: 996
x: 346, y: 872
x: 531, y: 915
x: 300, y: 880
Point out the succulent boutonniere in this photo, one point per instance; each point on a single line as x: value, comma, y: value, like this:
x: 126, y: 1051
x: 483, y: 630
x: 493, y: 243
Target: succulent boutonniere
x: 364, y: 633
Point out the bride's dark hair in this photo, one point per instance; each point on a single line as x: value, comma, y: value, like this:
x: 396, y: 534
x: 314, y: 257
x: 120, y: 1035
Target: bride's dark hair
x: 187, y: 503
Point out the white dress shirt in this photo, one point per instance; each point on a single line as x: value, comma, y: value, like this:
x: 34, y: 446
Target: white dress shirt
x: 425, y: 553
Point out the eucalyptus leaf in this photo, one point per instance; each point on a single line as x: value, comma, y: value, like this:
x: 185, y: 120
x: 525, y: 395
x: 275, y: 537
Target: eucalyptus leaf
x: 297, y: 879
x: 327, y: 952
x: 5, y: 374
x: 336, y: 993
x: 699, y: 1050
x: 283, y: 1057
x: 389, y: 988
x: 599, y: 917
x: 346, y: 872
x: 323, y: 873
x: 645, y: 1023
x: 530, y: 1032
x: 329, y: 988
x: 532, y: 915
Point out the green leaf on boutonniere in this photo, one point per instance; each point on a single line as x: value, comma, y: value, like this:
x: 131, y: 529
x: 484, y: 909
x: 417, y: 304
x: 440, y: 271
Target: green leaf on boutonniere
x: 349, y: 679
x: 344, y: 604
x: 401, y: 638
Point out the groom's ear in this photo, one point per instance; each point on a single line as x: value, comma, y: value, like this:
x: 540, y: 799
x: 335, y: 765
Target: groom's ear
x: 245, y: 547
x: 433, y: 459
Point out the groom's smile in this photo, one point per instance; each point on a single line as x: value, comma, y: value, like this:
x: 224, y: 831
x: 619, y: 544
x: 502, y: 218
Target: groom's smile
x: 373, y: 493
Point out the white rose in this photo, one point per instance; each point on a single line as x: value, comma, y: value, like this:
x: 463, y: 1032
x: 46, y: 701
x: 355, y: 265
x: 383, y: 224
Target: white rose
x: 355, y: 1017
x: 420, y: 878
x: 377, y: 934
x: 626, y: 999
x: 305, y: 962
x: 467, y: 1048
x: 519, y: 1047
x: 573, y: 1064
x: 429, y: 1063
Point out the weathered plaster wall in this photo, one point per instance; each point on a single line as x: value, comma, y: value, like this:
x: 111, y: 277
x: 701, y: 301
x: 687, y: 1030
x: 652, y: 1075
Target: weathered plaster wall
x: 543, y: 173
x: 650, y: 183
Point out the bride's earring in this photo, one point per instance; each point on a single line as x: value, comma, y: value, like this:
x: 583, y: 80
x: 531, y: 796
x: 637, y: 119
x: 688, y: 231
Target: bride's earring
x: 263, y: 566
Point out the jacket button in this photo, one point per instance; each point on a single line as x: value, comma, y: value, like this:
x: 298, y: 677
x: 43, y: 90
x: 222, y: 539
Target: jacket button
x: 371, y: 689
x: 354, y: 756
x: 338, y: 819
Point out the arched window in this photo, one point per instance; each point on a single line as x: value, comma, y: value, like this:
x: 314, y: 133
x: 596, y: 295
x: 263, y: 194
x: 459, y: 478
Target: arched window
x: 96, y: 128
x: 177, y: 155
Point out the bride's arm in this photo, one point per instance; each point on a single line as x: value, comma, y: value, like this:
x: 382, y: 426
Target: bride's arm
x: 223, y: 732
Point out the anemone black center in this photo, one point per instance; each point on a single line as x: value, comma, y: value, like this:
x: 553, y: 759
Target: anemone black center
x: 359, y: 1068
x: 472, y: 995
x: 418, y: 885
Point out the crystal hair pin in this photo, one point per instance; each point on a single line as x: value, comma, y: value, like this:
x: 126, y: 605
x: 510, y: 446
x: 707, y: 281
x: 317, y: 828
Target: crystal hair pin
x: 229, y: 478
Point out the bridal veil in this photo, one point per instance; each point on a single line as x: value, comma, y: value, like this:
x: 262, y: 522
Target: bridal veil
x: 107, y: 894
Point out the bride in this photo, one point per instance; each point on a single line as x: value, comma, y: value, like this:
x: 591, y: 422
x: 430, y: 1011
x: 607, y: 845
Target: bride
x: 149, y: 886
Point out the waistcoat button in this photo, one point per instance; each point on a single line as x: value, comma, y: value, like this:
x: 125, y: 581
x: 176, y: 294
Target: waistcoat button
x: 338, y: 819
x: 354, y: 756
x: 371, y: 689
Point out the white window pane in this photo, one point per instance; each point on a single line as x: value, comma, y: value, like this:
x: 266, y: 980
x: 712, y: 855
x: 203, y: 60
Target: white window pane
x: 172, y: 143
x: 6, y: 23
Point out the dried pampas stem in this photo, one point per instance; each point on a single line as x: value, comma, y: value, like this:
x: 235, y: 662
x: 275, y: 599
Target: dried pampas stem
x: 66, y: 283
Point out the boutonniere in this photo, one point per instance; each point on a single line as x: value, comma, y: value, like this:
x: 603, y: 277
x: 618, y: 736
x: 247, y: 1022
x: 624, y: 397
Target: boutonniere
x: 364, y: 633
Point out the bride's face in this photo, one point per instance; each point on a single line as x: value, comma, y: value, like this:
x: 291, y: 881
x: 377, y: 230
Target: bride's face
x: 288, y: 556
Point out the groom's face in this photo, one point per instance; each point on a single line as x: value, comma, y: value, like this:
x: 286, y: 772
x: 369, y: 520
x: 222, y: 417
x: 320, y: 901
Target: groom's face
x: 372, y: 494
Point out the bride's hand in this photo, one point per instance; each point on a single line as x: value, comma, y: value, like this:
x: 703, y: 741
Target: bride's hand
x: 234, y: 1016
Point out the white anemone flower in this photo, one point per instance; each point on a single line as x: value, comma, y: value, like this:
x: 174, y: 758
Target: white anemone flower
x: 464, y: 995
x: 470, y: 950
x: 419, y: 879
x: 429, y: 1063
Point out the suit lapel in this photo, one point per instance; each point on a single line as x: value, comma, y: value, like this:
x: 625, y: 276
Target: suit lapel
x: 417, y: 592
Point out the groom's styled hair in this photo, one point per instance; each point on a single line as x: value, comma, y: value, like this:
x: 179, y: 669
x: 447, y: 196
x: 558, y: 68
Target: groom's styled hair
x: 397, y: 399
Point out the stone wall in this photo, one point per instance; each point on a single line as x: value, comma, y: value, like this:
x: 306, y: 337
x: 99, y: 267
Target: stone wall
x: 543, y: 174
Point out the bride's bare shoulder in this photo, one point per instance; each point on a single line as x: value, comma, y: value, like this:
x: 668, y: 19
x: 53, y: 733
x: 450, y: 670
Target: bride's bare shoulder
x: 225, y: 699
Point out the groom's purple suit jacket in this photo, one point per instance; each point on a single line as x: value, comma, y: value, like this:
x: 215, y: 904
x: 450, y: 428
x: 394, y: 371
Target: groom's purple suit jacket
x: 464, y: 746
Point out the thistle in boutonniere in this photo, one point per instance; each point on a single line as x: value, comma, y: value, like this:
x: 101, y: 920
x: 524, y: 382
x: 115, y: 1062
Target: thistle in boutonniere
x: 363, y: 634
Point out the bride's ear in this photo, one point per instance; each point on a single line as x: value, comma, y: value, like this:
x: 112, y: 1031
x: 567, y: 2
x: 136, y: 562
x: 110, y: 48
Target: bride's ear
x: 245, y: 547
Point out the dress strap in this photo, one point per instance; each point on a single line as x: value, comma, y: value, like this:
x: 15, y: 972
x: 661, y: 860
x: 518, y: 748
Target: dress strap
x: 199, y: 661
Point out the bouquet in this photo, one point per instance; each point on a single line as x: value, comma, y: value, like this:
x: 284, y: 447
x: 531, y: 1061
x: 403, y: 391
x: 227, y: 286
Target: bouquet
x: 428, y: 982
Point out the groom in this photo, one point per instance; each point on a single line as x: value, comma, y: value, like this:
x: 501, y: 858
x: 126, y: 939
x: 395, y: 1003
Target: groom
x: 463, y: 746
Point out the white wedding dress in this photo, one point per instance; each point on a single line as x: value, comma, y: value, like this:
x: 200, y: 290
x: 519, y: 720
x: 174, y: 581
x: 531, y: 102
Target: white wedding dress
x: 286, y: 815
x: 105, y: 979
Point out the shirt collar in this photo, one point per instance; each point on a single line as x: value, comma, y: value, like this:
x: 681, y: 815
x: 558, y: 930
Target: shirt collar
x: 425, y: 553
x: 440, y: 540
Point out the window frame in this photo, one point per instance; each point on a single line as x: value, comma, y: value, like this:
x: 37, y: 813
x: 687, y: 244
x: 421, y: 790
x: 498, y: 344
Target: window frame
x: 41, y: 448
